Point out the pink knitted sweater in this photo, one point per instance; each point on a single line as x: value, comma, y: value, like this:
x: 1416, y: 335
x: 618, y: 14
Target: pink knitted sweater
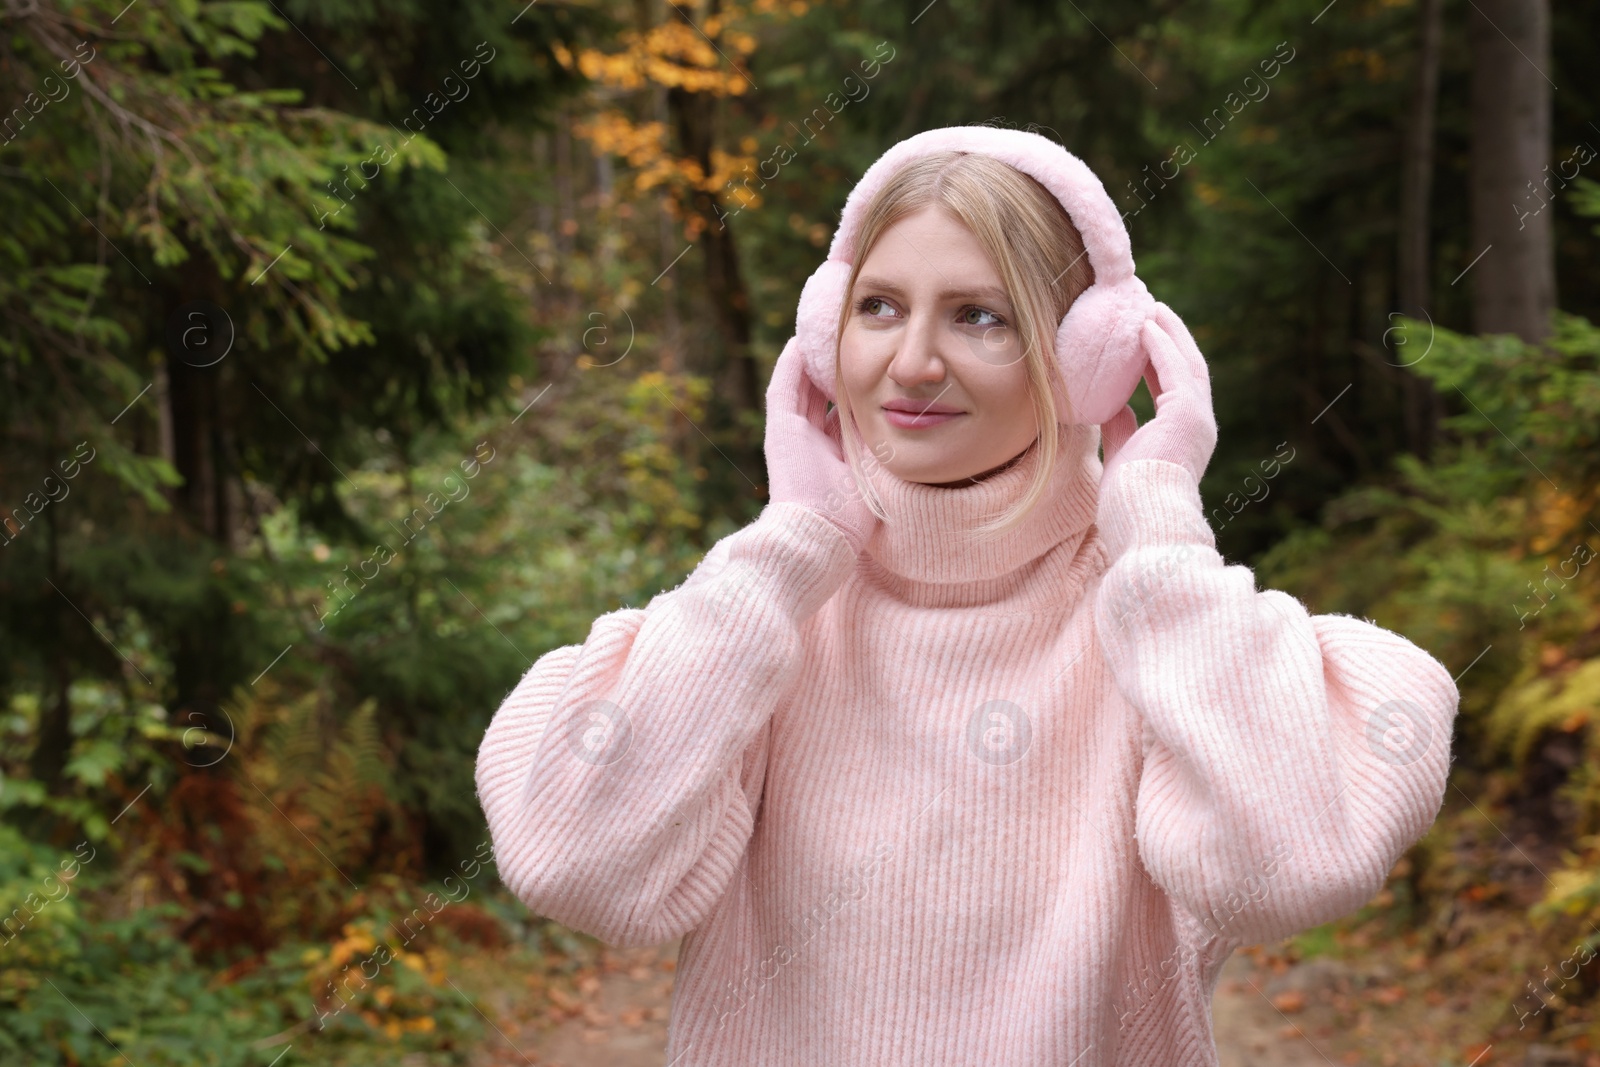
x: 1009, y: 804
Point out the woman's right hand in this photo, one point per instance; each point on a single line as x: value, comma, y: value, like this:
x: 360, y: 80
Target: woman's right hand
x: 805, y: 461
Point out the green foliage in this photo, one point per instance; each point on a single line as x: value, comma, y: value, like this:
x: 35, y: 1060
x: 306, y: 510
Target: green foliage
x: 1317, y: 941
x: 79, y: 986
x: 1446, y: 552
x: 119, y: 738
x: 1493, y: 545
x: 185, y: 158
x: 1537, y: 702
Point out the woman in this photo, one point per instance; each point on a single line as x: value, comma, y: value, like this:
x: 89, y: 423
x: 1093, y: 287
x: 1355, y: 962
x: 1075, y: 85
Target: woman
x: 969, y: 749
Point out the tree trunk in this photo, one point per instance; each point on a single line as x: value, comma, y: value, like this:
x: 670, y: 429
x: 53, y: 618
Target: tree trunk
x: 694, y: 116
x: 54, y: 746
x: 1513, y: 285
x: 733, y: 371
x: 193, y: 396
x: 566, y: 203
x: 1416, y: 183
x: 203, y: 634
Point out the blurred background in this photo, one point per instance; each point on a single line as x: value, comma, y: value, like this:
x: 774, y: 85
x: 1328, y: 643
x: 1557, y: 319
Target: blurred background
x: 356, y: 354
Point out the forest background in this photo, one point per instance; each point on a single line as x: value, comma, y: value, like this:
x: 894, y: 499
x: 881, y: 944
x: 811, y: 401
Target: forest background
x: 354, y: 355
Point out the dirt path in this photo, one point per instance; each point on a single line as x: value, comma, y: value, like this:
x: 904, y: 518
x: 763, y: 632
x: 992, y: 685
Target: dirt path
x: 614, y: 1016
x: 1251, y: 1031
x: 618, y: 1017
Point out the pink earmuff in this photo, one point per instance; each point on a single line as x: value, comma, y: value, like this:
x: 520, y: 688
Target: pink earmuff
x: 1099, y: 346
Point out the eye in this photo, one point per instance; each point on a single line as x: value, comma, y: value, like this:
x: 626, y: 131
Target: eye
x: 970, y: 310
x: 868, y: 305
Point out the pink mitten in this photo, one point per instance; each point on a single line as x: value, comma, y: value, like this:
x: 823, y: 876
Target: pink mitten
x: 1184, y: 429
x: 805, y: 463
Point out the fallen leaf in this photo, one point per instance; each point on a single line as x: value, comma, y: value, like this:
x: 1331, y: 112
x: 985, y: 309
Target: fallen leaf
x: 1289, y: 1001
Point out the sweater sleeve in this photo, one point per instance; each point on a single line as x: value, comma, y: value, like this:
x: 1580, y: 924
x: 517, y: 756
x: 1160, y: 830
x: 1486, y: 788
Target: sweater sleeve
x: 620, y: 778
x: 1290, y: 759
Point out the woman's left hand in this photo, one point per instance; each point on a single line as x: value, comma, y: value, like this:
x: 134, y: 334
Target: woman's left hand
x: 1184, y: 429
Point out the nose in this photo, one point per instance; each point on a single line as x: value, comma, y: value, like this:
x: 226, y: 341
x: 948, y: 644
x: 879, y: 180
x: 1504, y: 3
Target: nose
x: 917, y: 357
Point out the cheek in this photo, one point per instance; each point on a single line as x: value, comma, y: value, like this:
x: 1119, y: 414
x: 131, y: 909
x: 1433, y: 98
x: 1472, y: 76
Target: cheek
x: 991, y: 365
x: 859, y: 362
x: 991, y: 352
x: 996, y: 377
x: 1010, y: 405
x: 1018, y: 389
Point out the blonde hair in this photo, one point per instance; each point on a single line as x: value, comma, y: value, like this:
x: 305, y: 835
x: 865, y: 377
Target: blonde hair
x: 1039, y: 253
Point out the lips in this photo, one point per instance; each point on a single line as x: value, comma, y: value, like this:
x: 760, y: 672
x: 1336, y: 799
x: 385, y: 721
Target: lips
x: 917, y: 419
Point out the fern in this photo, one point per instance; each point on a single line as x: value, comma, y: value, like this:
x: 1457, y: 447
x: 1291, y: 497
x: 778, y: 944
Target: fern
x: 318, y: 788
x: 1536, y: 701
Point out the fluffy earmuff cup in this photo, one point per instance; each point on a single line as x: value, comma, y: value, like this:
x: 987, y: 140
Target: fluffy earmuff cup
x: 816, y: 324
x: 1100, y: 349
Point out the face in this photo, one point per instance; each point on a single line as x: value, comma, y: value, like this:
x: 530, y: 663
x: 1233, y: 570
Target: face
x: 931, y: 356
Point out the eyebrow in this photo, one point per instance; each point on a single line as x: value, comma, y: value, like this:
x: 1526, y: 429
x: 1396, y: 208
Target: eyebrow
x: 990, y: 291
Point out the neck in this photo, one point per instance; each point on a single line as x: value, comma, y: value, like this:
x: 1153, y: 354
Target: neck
x: 976, y: 478
x: 926, y: 548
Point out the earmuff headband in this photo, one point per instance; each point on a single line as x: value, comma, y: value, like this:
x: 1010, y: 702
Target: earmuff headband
x: 1099, y: 347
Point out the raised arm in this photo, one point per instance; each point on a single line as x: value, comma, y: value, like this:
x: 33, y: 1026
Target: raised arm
x: 621, y: 776
x: 1289, y: 758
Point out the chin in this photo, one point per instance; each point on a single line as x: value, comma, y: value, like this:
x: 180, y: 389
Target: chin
x: 934, y: 471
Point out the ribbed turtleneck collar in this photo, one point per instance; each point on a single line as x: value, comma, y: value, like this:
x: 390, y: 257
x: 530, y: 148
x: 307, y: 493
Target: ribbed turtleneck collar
x: 925, y: 540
